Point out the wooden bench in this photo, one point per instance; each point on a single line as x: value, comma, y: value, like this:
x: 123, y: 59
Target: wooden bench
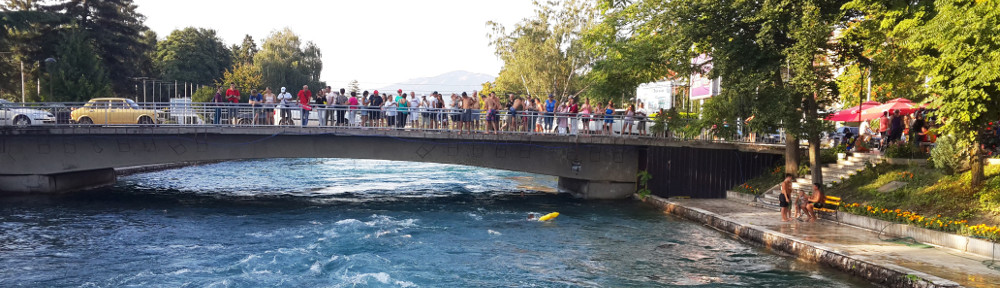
x: 831, y: 203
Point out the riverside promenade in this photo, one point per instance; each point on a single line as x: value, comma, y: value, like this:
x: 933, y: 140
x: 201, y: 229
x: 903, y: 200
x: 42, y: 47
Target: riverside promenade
x: 856, y: 251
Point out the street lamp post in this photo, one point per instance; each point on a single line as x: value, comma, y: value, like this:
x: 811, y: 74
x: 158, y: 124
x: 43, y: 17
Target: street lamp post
x: 48, y: 65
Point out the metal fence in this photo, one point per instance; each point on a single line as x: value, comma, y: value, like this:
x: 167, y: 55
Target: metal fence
x: 182, y: 112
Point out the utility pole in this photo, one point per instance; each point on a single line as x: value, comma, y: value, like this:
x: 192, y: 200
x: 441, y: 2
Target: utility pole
x: 22, y: 82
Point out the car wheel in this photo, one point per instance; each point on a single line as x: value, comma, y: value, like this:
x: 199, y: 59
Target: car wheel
x: 22, y: 121
x: 86, y: 121
x: 145, y: 120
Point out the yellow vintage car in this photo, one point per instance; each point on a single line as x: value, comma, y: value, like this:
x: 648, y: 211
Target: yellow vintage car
x: 113, y: 111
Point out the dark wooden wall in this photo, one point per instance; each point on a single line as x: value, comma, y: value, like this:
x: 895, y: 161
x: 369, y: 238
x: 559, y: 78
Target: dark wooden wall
x: 701, y: 172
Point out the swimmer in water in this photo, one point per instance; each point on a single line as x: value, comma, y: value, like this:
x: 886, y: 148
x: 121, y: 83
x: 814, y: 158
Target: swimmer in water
x: 531, y: 216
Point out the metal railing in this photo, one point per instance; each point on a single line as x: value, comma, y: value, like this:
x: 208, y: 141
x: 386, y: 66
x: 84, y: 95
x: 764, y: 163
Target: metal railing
x: 447, y: 120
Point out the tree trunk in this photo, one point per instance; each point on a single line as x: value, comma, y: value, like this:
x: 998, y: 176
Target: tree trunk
x: 976, y: 164
x: 791, y: 155
x: 813, y: 134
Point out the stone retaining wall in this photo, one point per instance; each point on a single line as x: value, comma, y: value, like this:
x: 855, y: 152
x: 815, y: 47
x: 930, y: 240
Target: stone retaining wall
x: 884, y: 274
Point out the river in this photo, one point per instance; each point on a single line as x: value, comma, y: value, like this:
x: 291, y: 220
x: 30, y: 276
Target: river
x: 363, y: 223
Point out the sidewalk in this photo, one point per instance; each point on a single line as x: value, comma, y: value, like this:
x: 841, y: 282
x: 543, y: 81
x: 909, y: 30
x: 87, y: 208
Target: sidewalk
x: 834, y: 244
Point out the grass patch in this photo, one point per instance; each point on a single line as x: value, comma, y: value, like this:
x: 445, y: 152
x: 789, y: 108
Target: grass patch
x: 925, y: 191
x: 760, y: 184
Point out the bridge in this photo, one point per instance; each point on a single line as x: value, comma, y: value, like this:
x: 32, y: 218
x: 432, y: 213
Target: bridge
x: 66, y: 158
x: 58, y: 158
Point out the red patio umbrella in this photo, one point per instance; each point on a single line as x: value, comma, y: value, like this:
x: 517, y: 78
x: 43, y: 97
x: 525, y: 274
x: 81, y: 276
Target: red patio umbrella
x: 851, y: 114
x: 904, y: 106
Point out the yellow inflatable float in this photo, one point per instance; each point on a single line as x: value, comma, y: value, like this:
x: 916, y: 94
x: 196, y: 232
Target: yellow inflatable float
x: 549, y: 216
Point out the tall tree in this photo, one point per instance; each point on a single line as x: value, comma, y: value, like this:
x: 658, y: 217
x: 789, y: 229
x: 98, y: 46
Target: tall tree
x: 958, y: 52
x: 77, y: 75
x: 283, y: 62
x: 545, y: 54
x: 27, y: 38
x: 194, y: 55
x: 116, y: 29
x: 871, y: 50
x: 244, y: 52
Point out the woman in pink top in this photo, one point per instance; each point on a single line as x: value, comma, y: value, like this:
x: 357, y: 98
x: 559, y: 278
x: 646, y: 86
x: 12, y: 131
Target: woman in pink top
x: 585, y: 116
x: 353, y: 112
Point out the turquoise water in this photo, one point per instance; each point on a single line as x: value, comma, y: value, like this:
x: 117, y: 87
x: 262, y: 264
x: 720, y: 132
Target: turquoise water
x: 353, y: 223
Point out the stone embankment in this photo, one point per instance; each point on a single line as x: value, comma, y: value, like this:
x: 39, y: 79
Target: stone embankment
x: 859, y: 252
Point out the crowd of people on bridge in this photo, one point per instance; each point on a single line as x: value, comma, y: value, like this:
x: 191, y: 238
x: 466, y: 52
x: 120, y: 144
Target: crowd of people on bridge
x: 463, y: 113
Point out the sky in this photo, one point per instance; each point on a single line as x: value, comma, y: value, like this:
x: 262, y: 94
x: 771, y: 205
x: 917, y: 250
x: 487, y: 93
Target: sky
x: 377, y: 42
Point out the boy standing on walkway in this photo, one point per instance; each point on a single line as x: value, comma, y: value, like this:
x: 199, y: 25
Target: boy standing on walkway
x: 783, y: 199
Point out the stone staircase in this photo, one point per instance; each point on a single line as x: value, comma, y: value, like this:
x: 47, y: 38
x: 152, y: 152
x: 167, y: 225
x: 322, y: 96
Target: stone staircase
x: 844, y: 168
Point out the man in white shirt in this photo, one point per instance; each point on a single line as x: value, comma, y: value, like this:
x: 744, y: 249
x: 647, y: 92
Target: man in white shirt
x: 331, y: 100
x: 286, y: 100
x: 415, y: 110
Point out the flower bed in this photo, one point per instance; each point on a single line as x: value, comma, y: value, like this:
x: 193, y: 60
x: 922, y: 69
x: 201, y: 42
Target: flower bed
x: 936, y: 222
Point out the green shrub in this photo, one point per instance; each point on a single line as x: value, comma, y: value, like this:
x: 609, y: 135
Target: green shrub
x: 948, y: 155
x: 904, y: 150
x: 644, y: 178
x: 827, y: 156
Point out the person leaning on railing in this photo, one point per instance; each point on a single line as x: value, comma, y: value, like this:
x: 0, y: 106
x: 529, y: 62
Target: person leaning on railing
x: 269, y: 101
x: 218, y: 101
x: 255, y: 104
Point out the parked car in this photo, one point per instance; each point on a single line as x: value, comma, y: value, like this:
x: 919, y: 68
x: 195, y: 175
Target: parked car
x: 840, y: 135
x: 114, y: 111
x: 13, y: 114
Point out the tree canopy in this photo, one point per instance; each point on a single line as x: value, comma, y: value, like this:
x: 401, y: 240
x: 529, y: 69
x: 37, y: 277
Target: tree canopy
x: 545, y: 54
x: 285, y: 62
x: 194, y: 55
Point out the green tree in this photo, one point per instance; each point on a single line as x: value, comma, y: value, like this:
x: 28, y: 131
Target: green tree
x: 195, y: 55
x: 545, y: 54
x: 283, y: 62
x: 245, y: 76
x: 28, y: 37
x: 245, y: 52
x: 870, y: 47
x: 769, y: 56
x: 204, y: 94
x: 77, y: 75
x: 958, y: 52
x: 116, y: 30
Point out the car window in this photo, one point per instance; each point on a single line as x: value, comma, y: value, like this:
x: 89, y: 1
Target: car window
x: 132, y: 104
x: 118, y: 104
x: 98, y: 104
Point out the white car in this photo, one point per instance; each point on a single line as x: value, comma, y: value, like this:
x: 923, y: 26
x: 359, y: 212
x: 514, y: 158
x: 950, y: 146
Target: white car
x: 13, y: 114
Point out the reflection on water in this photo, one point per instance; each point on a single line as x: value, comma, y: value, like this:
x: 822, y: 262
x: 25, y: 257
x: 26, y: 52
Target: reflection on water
x: 345, y: 223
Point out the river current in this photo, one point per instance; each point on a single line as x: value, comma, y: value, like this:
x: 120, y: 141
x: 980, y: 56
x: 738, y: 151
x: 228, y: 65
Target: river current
x: 362, y: 223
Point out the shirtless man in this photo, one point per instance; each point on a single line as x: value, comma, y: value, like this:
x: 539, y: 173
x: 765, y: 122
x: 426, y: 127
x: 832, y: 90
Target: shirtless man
x: 519, y: 107
x: 468, y: 104
x: 784, y: 199
x: 492, y: 113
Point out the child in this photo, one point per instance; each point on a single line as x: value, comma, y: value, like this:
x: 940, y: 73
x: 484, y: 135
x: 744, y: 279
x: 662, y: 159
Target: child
x: 800, y: 204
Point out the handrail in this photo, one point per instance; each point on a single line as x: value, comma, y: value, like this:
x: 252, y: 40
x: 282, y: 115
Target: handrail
x: 118, y: 112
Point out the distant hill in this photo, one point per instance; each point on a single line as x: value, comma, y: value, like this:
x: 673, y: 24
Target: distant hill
x: 447, y: 83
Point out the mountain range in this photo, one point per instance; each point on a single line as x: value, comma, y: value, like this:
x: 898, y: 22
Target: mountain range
x: 447, y: 83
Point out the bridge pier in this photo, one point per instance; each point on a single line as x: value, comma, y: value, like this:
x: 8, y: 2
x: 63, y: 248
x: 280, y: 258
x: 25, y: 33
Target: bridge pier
x: 596, y: 190
x: 57, y: 183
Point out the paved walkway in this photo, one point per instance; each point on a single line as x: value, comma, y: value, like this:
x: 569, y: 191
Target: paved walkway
x: 963, y: 268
